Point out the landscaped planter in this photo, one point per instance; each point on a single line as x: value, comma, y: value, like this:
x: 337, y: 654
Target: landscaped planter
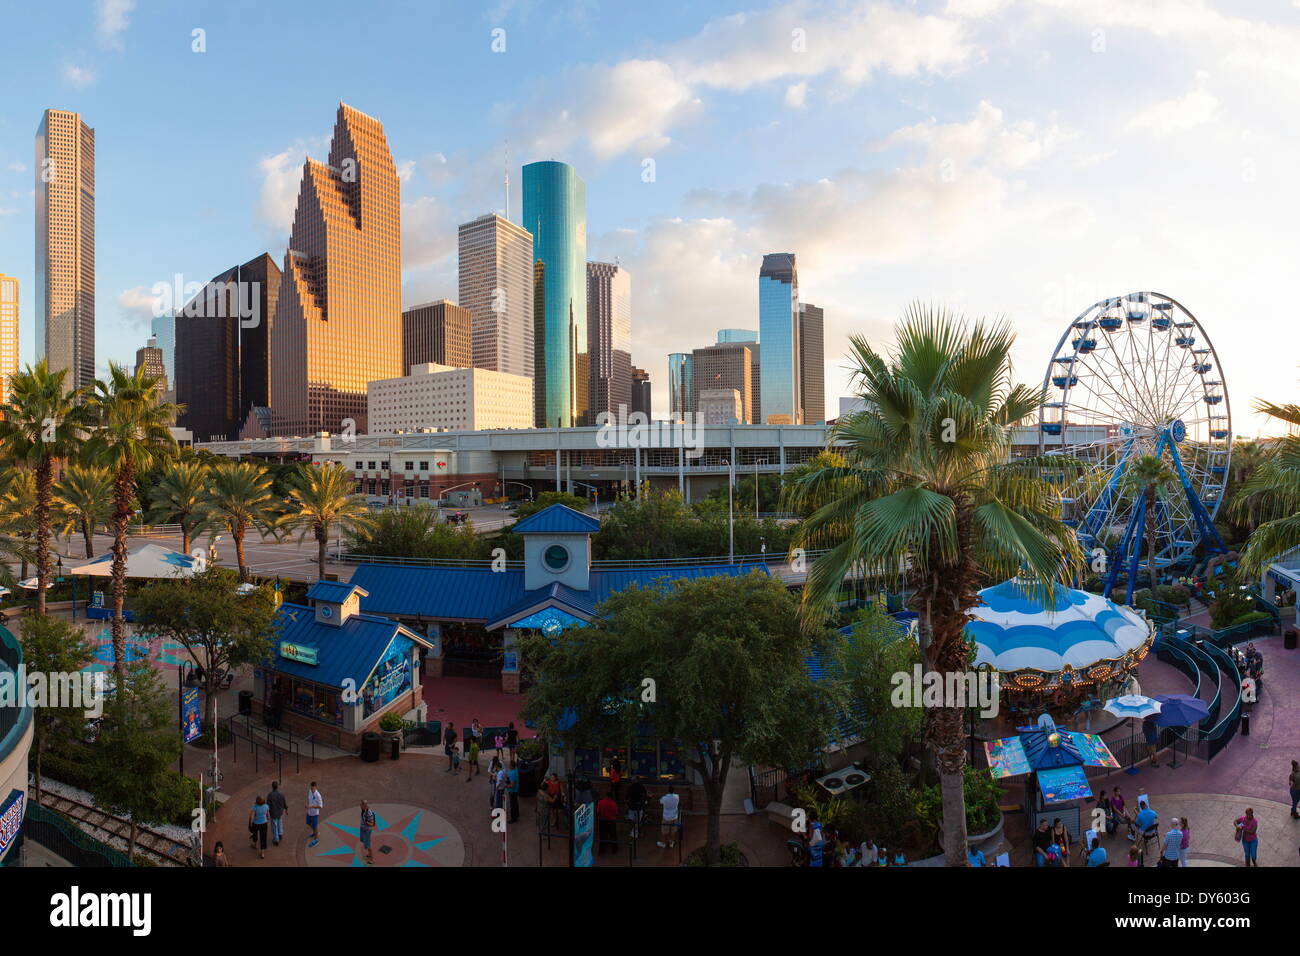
x: 981, y: 839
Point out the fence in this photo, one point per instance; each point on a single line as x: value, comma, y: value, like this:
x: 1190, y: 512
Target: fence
x: 61, y: 836
x: 278, y: 745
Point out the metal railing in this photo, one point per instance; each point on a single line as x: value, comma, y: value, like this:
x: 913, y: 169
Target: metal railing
x: 64, y: 838
x: 278, y: 743
x: 769, y: 557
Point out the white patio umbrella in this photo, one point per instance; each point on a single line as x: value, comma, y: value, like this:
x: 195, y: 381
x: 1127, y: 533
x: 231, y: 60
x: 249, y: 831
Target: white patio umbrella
x: 1132, y: 705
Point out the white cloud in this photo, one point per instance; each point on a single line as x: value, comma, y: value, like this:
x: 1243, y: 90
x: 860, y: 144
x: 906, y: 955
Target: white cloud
x: 986, y: 138
x: 138, y: 305
x: 428, y: 233
x: 796, y: 95
x: 7, y: 211
x: 111, y: 20
x: 1180, y: 114
x: 17, y: 167
x: 77, y: 75
x: 405, y: 169
x: 281, y: 177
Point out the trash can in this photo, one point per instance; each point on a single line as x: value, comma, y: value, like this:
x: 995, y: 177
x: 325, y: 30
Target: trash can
x: 245, y: 703
x: 1245, y: 725
x: 397, y: 747
x: 370, y: 746
x: 527, y: 778
x: 1290, y: 640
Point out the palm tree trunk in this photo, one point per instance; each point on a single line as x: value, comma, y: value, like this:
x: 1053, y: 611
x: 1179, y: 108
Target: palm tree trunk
x: 238, y: 535
x: 44, y: 490
x: 322, y: 539
x: 123, y: 499
x: 185, y: 536
x: 88, y: 535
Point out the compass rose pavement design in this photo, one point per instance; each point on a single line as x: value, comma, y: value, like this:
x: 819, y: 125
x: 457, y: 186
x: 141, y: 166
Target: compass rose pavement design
x: 404, y: 835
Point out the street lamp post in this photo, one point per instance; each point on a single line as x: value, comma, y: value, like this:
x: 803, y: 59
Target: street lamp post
x: 731, y: 524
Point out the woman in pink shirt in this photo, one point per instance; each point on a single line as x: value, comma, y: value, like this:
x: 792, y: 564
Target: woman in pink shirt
x: 1187, y: 842
x: 1248, y: 833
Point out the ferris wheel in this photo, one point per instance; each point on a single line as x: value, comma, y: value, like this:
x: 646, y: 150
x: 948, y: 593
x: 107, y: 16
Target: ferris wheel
x: 1132, y: 376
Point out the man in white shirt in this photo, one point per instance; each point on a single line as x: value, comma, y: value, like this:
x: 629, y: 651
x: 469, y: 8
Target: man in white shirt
x: 670, y: 802
x: 314, y: 806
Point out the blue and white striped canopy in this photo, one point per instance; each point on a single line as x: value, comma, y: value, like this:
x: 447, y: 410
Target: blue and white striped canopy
x: 1013, y: 631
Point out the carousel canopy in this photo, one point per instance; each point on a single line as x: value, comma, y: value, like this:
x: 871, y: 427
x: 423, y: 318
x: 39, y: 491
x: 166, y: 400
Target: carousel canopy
x: 1014, y: 631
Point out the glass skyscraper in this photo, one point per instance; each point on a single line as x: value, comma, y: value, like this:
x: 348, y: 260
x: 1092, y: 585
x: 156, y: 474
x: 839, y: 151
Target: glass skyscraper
x: 732, y: 336
x: 681, y: 385
x: 781, y: 397
x: 555, y: 212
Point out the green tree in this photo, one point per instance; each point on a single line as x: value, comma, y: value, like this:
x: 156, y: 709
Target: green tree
x: 131, y: 434
x: 17, y: 525
x: 547, y: 498
x: 42, y: 422
x: 727, y: 657
x: 180, y: 496
x: 220, y: 628
x: 239, y: 499
x: 53, y: 646
x: 320, y: 498
x: 823, y: 459
x: 82, y: 501
x: 1149, y: 477
x: 865, y: 663
x: 929, y: 496
x: 414, y: 531
x: 1270, y: 497
x: 137, y: 744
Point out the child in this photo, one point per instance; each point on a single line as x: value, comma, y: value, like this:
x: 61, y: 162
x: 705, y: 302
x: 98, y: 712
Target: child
x: 455, y: 759
x: 1134, y: 858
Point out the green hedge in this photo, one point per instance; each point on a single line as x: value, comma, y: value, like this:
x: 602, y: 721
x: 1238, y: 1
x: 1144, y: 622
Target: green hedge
x: 179, y: 791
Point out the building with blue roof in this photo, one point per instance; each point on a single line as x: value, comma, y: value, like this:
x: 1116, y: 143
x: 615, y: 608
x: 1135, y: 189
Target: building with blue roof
x: 335, y: 670
x: 472, y: 617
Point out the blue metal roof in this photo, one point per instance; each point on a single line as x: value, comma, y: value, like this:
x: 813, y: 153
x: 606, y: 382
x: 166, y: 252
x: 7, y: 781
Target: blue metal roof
x: 348, y: 651
x: 333, y: 592
x: 478, y: 594
x: 557, y: 519
x: 576, y: 603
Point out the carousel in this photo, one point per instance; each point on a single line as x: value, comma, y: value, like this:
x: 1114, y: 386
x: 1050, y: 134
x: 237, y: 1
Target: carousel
x: 1064, y: 655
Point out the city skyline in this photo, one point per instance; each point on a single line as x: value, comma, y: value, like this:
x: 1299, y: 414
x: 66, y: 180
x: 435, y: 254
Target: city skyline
x: 935, y: 163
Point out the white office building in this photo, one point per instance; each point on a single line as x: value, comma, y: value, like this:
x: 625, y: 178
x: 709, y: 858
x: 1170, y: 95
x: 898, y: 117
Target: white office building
x: 443, y: 397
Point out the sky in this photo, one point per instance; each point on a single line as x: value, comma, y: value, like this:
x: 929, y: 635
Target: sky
x: 1016, y: 159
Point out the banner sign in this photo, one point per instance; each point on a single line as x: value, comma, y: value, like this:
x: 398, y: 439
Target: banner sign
x: 11, y: 818
x: 296, y: 652
x: 583, y: 820
x: 191, y: 722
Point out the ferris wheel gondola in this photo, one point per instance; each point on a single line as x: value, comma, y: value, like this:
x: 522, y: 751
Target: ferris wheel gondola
x: 1132, y: 376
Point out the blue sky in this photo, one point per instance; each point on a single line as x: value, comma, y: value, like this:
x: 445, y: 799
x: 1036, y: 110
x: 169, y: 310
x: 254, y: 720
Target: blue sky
x: 1022, y: 158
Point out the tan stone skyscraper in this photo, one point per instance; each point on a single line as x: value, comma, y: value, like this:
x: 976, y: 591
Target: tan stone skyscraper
x: 338, y: 321
x: 8, y: 333
x: 65, y: 245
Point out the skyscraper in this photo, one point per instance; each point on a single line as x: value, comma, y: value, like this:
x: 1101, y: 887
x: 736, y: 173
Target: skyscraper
x: 8, y: 333
x: 641, y: 392
x: 681, y: 385
x: 812, y: 364
x: 496, y: 285
x: 222, y: 353
x: 338, y: 322
x: 726, y: 366
x: 150, y: 359
x: 555, y: 212
x: 730, y: 336
x: 65, y: 246
x: 778, y: 335
x: 609, y: 338
x: 163, y: 329
x: 437, y: 332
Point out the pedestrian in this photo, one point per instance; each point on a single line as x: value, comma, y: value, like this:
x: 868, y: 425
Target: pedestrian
x: 607, y: 823
x: 1187, y: 842
x: 636, y: 801
x: 257, y: 820
x: 615, y: 777
x: 670, y: 802
x: 314, y: 806
x: 1042, y: 843
x: 582, y: 791
x: 500, y: 784
x: 1246, y: 829
x: 278, y: 806
x: 500, y: 741
x: 367, y: 829
x: 476, y: 731
x: 455, y: 760
x: 975, y: 856
x: 1061, y: 837
x: 554, y: 798
x: 1134, y: 856
x: 471, y: 757
x: 219, y: 857
x: 512, y: 790
x: 512, y: 739
x: 1151, y: 734
x: 1171, y: 854
x: 449, y: 744
x: 1293, y: 781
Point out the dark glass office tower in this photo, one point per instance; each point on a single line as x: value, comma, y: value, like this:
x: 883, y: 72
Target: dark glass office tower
x: 812, y: 363
x: 609, y: 339
x: 780, y: 395
x: 555, y: 212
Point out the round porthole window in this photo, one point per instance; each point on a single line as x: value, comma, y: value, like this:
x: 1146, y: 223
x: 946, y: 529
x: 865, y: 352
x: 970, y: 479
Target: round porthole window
x: 556, y: 558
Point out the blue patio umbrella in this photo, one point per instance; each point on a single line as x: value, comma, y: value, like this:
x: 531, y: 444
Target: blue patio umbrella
x: 1180, y: 710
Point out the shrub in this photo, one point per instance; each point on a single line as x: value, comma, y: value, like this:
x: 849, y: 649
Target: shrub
x: 1174, y: 594
x: 180, y: 792
x: 391, y: 721
x: 1251, y: 617
x: 982, y: 796
x: 728, y: 855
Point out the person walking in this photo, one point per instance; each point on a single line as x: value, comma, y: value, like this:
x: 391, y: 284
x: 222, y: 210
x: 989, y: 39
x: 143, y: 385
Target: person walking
x: 367, y: 830
x: 615, y: 777
x: 1293, y: 782
x: 471, y: 757
x: 500, y: 784
x: 1187, y: 842
x: 1151, y: 735
x: 219, y: 857
x: 455, y: 760
x: 449, y: 744
x: 636, y: 801
x: 476, y: 731
x: 1171, y: 853
x: 1247, y: 833
x: 512, y: 791
x: 500, y: 741
x: 278, y: 806
x: 671, y: 804
x: 512, y: 739
x: 315, y: 804
x: 257, y: 820
x: 607, y: 822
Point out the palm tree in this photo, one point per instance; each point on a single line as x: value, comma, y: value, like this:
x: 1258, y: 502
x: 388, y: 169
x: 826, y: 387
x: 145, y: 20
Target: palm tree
x: 1272, y: 496
x: 131, y: 434
x: 43, y: 421
x: 1149, y: 476
x: 239, y: 498
x: 929, y: 495
x: 17, y: 507
x: 322, y: 497
x: 81, y: 500
x: 181, y: 496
